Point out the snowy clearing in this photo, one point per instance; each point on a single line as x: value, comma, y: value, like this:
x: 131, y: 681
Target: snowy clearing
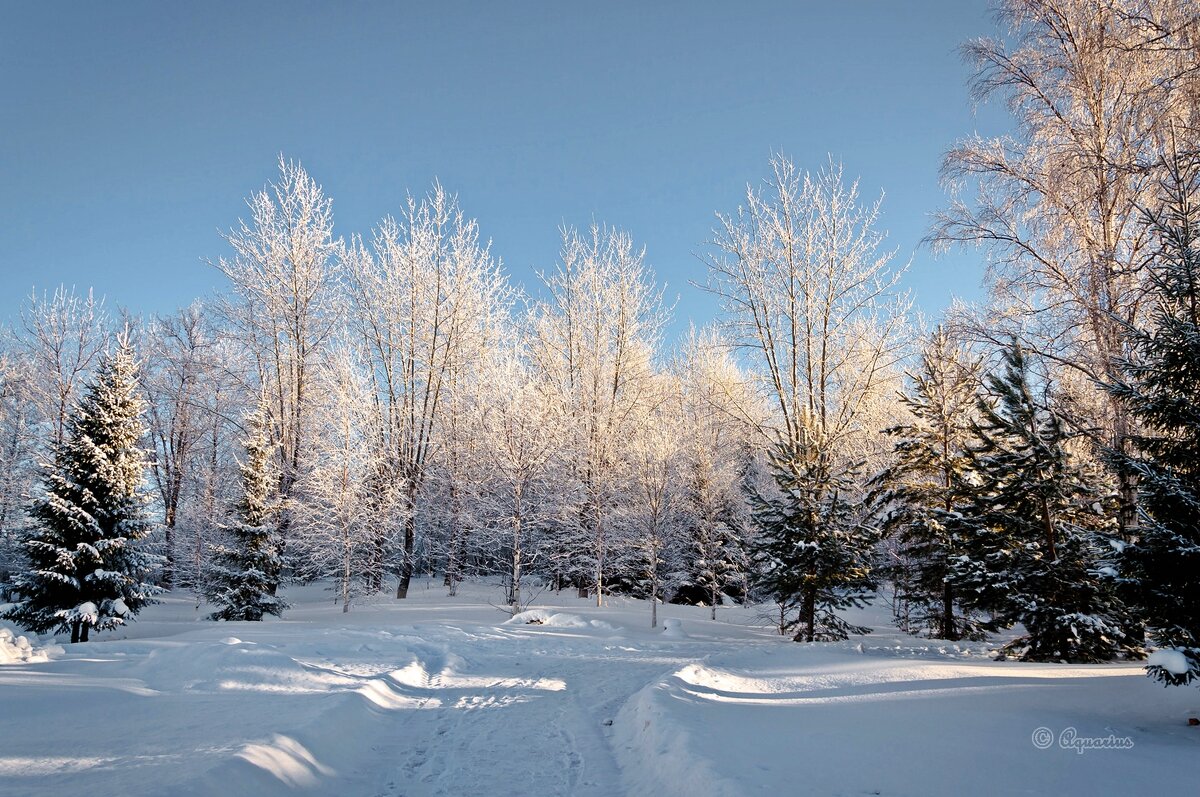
x: 447, y: 696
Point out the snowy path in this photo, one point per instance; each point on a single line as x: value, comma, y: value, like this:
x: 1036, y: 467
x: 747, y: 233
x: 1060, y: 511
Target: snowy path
x: 439, y: 697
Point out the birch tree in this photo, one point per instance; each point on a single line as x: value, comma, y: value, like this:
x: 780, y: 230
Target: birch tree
x: 596, y: 333
x: 284, y: 274
x: 1095, y: 90
x: 64, y: 335
x: 423, y: 290
x: 179, y: 358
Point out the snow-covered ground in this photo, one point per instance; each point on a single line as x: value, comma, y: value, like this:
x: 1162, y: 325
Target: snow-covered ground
x: 438, y: 695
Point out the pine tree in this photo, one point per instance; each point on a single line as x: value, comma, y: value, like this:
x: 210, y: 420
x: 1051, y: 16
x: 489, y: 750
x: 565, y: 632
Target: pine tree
x: 1037, y: 535
x: 813, y: 553
x: 86, y: 567
x: 244, y: 570
x: 922, y: 493
x: 1161, y: 389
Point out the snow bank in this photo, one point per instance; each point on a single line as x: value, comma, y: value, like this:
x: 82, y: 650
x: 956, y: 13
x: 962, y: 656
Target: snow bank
x: 553, y: 619
x: 655, y: 751
x: 17, y: 649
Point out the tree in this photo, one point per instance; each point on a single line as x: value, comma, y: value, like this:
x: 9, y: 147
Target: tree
x: 1094, y: 87
x: 521, y: 432
x: 283, y: 271
x: 334, y: 521
x: 813, y: 300
x: 1159, y: 387
x: 18, y: 468
x: 814, y: 553
x: 65, y: 334
x: 925, y: 489
x: 425, y: 295
x: 86, y: 567
x: 717, y: 415
x: 1036, y: 533
x: 654, y: 497
x: 246, y: 570
x: 596, y: 334
x: 179, y: 361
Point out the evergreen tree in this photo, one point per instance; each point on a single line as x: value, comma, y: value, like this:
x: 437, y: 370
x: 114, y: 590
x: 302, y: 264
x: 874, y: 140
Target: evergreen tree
x: 714, y: 562
x: 1037, y: 536
x: 1161, y: 389
x: 86, y: 567
x: 813, y: 553
x: 244, y: 572
x: 923, y: 492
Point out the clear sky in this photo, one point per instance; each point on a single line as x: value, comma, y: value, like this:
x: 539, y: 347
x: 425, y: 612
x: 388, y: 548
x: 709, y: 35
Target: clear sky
x: 131, y: 132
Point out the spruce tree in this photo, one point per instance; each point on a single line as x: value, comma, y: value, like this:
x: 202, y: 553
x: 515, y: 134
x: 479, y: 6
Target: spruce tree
x: 87, y: 568
x: 813, y: 553
x: 923, y: 492
x: 714, y: 561
x: 1161, y: 389
x: 244, y: 571
x: 1038, y: 537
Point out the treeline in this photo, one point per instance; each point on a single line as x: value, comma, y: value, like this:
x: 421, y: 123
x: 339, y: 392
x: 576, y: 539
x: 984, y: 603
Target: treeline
x: 363, y: 409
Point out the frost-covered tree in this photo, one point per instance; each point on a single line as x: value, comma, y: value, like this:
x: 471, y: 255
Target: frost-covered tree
x: 334, y: 534
x: 654, y: 499
x: 814, y: 553
x: 813, y: 298
x: 18, y: 466
x: 716, y: 414
x: 1094, y: 88
x: 425, y: 291
x: 63, y: 336
x: 1161, y: 389
x: 86, y: 567
x: 179, y: 363
x: 1036, y: 535
x: 284, y: 272
x: 246, y: 569
x: 924, y: 490
x: 522, y: 433
x: 596, y: 335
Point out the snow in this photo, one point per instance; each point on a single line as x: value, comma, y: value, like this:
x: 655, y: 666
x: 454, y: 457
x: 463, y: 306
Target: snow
x: 15, y: 647
x: 442, y: 696
x: 1171, y: 660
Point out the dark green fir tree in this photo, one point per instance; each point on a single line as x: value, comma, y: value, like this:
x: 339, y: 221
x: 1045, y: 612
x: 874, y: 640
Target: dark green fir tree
x: 922, y: 494
x: 1038, y: 546
x: 1161, y: 389
x: 245, y: 569
x: 814, y: 553
x: 87, y: 566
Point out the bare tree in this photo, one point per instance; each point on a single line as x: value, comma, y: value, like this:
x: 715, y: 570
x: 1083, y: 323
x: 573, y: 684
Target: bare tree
x: 654, y: 476
x: 1096, y: 90
x: 596, y: 334
x: 333, y: 522
x: 179, y: 358
x: 284, y: 273
x: 521, y: 431
x: 424, y: 293
x: 64, y: 335
x: 814, y: 301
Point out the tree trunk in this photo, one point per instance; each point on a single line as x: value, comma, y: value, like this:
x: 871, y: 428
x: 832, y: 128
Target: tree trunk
x: 948, y: 629
x: 410, y: 533
x: 808, y: 617
x: 74, y: 632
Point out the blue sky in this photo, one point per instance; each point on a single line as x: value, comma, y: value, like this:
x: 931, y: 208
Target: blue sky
x: 132, y: 132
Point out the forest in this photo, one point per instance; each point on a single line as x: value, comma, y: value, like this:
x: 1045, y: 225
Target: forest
x: 364, y: 408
